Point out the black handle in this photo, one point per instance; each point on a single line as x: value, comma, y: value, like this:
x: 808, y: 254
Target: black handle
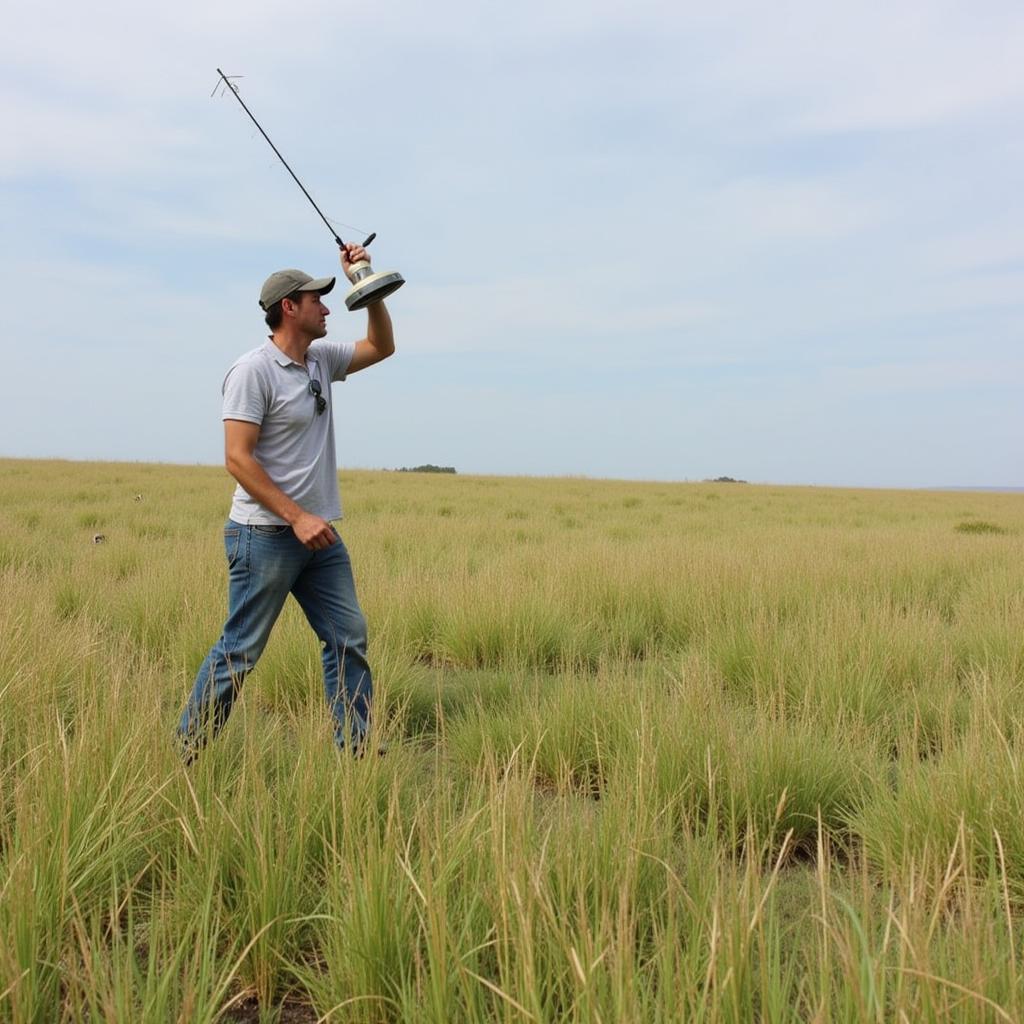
x: 369, y: 238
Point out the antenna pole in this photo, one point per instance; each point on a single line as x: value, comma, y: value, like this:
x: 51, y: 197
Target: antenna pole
x: 334, y: 235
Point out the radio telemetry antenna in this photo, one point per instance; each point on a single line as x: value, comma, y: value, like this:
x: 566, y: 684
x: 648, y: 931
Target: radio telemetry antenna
x: 368, y: 287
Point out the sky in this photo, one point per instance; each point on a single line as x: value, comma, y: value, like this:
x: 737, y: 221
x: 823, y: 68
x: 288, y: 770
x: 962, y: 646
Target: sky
x: 781, y: 242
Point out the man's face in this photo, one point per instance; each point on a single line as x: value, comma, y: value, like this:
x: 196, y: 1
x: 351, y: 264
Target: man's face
x: 311, y: 314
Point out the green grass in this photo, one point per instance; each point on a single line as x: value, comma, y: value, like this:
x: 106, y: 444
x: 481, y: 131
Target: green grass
x: 658, y: 753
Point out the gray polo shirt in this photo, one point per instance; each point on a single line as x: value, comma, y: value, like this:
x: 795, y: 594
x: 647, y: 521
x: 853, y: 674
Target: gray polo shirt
x: 296, y: 444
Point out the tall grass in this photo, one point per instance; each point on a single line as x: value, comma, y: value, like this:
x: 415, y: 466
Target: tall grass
x: 657, y: 753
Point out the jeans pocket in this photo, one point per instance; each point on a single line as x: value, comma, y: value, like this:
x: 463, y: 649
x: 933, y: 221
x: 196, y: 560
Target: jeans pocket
x: 270, y: 528
x: 232, y: 542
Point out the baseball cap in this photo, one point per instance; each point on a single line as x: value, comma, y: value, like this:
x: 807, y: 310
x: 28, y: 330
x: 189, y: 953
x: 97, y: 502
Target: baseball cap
x: 284, y: 282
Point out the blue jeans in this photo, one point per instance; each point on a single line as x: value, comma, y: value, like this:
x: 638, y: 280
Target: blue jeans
x: 266, y: 564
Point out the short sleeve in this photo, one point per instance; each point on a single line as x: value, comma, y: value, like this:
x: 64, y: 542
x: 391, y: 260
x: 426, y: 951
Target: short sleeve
x: 246, y: 396
x: 337, y: 356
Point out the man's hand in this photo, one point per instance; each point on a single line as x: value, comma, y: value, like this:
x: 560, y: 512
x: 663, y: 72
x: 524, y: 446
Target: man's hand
x: 315, y: 533
x: 352, y: 253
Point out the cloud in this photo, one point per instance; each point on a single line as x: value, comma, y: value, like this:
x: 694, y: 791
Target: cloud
x: 928, y: 375
x: 869, y: 66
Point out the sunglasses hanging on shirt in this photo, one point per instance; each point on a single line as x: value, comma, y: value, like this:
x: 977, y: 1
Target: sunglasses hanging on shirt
x: 321, y: 402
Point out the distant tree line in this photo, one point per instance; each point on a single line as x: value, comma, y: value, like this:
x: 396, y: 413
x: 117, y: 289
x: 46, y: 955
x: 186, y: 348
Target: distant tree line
x: 428, y: 468
x: 725, y: 480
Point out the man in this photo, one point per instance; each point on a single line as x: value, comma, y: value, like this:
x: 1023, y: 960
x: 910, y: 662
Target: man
x: 279, y: 540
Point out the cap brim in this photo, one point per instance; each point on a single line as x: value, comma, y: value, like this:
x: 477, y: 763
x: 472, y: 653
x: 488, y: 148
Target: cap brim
x: 322, y: 285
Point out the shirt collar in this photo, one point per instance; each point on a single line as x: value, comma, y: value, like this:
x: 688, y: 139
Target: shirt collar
x: 285, y: 360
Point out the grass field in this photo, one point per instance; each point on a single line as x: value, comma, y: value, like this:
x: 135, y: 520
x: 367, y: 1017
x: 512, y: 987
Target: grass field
x: 658, y: 752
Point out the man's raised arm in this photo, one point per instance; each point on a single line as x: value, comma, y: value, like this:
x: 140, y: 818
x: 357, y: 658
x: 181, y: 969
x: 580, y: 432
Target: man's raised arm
x: 379, y: 342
